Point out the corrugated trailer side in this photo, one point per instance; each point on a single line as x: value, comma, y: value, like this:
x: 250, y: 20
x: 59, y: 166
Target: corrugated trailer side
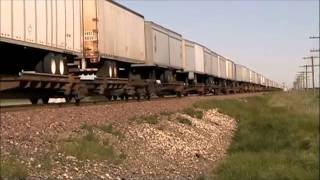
x: 189, y: 56
x: 222, y: 67
x: 163, y: 46
x: 215, y: 64
x: 239, y: 74
x: 199, y: 59
x: 51, y: 25
x: 208, y: 61
x: 251, y: 76
x: 113, y: 31
x: 256, y: 78
x: 234, y: 76
x: 229, y: 69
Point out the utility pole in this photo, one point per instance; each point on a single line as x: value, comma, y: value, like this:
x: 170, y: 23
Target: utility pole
x: 306, y: 75
x: 312, y: 68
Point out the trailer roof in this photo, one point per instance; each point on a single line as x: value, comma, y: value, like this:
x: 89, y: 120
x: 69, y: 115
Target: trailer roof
x: 124, y: 7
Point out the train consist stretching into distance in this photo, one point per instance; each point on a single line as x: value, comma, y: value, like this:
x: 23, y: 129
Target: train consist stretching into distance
x: 78, y: 48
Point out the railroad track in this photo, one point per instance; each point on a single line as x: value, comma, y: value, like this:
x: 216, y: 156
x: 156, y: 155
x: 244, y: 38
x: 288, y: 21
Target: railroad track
x: 25, y: 107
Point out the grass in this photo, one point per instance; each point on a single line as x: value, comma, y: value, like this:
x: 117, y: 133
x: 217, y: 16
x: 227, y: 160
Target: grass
x: 89, y: 147
x: 150, y: 119
x: 193, y: 113
x: 183, y: 120
x: 45, y: 161
x: 108, y: 128
x: 12, y: 169
x: 277, y: 137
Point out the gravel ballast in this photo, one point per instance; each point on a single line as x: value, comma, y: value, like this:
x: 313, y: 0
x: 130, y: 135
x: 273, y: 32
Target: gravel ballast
x: 167, y: 149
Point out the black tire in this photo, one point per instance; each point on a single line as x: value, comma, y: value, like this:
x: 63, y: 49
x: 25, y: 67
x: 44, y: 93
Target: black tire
x: 50, y: 64
x: 114, y: 70
x: 62, y: 68
x: 77, y: 101
x: 39, y: 67
x: 34, y: 100
x: 106, y: 70
x: 45, y: 100
x: 68, y: 99
x: 109, y: 98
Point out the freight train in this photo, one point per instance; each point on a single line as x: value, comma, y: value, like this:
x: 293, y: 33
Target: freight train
x: 78, y: 48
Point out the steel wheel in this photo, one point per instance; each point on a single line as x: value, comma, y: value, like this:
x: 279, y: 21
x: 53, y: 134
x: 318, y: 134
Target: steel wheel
x: 34, y: 100
x: 45, y: 100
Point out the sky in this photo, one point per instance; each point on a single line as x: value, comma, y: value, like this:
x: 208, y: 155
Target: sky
x: 269, y: 37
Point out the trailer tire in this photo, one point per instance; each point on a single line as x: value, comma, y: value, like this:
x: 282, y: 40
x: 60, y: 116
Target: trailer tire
x: 106, y: 70
x: 62, y: 68
x: 39, y: 67
x: 114, y: 70
x: 50, y: 64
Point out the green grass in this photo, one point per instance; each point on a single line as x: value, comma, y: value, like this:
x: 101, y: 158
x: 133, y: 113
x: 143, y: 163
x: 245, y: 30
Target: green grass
x: 183, y: 120
x: 12, y: 169
x: 193, y: 113
x: 277, y: 137
x: 150, y: 119
x: 108, y: 128
x: 88, y: 147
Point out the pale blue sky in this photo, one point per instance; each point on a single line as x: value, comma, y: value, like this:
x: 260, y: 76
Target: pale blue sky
x: 270, y: 37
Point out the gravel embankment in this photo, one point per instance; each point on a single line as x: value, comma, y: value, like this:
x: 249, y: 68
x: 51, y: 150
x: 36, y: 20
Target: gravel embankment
x: 166, y: 150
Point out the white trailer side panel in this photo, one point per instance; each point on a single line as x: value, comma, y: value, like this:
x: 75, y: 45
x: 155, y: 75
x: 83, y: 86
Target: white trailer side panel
x: 163, y: 46
x: 120, y: 32
x: 239, y: 70
x: 207, y: 62
x: 77, y: 39
x: 230, y: 70
x: 246, y: 74
x: 61, y: 24
x: 160, y: 48
x: 69, y: 20
x: 189, y: 56
x: 30, y: 21
x: 41, y: 32
x: 222, y: 68
x: 54, y: 23
x: 215, y: 65
x: 199, y: 59
x: 42, y: 24
x: 5, y: 18
x: 18, y: 27
x: 175, y: 52
x: 49, y: 22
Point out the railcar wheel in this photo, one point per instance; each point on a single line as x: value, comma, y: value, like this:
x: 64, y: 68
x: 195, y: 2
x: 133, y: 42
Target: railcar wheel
x: 109, y: 97
x: 77, y: 100
x: 50, y: 64
x: 68, y: 99
x: 45, y: 100
x: 34, y: 100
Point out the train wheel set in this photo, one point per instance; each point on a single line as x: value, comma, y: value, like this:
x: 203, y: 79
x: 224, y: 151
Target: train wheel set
x: 39, y: 87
